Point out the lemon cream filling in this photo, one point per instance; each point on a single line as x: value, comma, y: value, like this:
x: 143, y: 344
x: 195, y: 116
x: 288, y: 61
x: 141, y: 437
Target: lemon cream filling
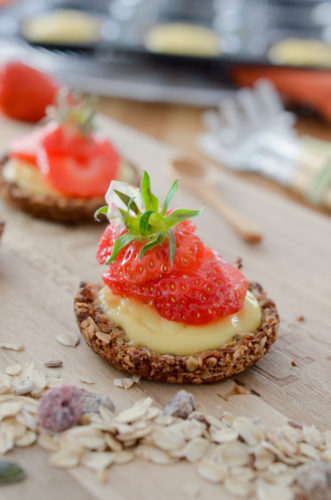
x: 144, y: 326
x: 29, y: 178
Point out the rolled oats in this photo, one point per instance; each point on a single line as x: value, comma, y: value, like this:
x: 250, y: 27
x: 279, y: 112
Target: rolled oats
x: 238, y: 487
x: 14, y: 369
x: 69, y: 340
x: 212, y: 471
x: 250, y: 459
x: 266, y: 491
x: 12, y: 347
x: 96, y: 460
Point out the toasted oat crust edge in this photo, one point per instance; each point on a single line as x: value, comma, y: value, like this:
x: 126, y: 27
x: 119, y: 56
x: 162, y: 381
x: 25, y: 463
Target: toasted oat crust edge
x: 109, y: 341
x: 66, y: 210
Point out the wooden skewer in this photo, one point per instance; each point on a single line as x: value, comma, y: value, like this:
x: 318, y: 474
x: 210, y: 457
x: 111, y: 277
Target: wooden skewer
x: 193, y: 175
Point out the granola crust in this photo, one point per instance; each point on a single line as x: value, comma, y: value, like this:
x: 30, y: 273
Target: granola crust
x: 109, y: 341
x: 66, y: 210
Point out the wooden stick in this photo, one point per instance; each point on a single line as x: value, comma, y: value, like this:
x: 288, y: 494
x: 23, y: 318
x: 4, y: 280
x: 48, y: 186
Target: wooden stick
x: 247, y: 229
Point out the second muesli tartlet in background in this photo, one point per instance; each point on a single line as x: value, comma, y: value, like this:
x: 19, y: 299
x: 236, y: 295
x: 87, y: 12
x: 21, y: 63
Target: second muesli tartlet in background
x: 61, y: 171
x: 171, y: 308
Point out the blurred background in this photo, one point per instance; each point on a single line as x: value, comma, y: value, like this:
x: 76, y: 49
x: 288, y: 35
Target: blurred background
x: 159, y: 64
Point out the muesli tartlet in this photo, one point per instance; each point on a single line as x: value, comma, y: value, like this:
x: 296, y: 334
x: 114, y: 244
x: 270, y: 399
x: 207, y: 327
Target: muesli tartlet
x: 61, y: 171
x: 171, y: 309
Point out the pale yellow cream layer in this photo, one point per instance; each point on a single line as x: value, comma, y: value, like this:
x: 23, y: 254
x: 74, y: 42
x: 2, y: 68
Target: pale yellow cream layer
x: 145, y: 327
x: 29, y: 178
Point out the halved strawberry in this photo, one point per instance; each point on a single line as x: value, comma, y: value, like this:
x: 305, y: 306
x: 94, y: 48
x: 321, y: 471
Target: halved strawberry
x: 25, y: 148
x: 76, y: 165
x: 128, y: 267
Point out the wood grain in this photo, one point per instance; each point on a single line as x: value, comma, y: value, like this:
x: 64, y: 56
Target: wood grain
x: 42, y: 263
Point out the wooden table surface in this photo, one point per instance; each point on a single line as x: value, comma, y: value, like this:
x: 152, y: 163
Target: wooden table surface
x: 41, y: 265
x: 178, y: 125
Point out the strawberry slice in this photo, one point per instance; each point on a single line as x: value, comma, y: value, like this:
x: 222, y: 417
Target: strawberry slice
x: 215, y: 290
x: 77, y: 165
x: 212, y: 291
x: 128, y: 267
x: 25, y: 148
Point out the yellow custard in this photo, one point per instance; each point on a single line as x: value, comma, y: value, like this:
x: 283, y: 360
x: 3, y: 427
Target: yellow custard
x: 28, y: 177
x: 145, y: 327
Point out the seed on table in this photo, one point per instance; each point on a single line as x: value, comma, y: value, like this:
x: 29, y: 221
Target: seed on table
x: 55, y: 363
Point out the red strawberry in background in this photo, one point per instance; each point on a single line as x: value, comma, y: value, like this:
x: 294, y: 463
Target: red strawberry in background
x: 71, y: 157
x: 25, y: 92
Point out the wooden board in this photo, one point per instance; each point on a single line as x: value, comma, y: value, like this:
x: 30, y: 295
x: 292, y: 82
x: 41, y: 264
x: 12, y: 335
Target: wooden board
x: 42, y: 263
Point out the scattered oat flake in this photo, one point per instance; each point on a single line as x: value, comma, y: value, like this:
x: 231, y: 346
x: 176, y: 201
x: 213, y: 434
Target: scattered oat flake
x: 249, y: 459
x: 14, y: 369
x: 126, y: 382
x: 69, y: 340
x: 86, y: 380
x: 12, y: 347
x: 102, y: 476
x: 191, y: 490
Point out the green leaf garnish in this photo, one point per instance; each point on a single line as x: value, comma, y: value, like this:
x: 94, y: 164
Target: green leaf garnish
x: 127, y: 200
x: 70, y: 108
x: 179, y: 215
x: 149, y: 224
x: 150, y: 201
x: 101, y: 210
x: 119, y: 244
x: 144, y: 219
x: 155, y: 241
x: 10, y: 472
x: 171, y: 193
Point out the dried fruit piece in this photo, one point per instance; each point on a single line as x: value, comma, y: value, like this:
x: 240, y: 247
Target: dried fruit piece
x: 92, y: 402
x: 60, y: 408
x: 315, y: 479
x: 181, y: 405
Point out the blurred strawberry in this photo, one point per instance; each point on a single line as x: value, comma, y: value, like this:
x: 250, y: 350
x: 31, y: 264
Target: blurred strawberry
x: 25, y: 92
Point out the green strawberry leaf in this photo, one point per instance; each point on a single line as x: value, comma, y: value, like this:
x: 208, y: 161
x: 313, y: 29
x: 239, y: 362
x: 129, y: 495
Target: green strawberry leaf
x: 126, y: 200
x: 150, y: 201
x: 144, y: 220
x: 121, y: 242
x: 179, y: 215
x: 171, y: 193
x: 101, y: 210
x: 172, y: 246
x: 150, y: 224
x: 154, y: 242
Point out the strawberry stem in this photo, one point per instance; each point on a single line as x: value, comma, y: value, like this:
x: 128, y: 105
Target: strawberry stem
x: 149, y: 224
